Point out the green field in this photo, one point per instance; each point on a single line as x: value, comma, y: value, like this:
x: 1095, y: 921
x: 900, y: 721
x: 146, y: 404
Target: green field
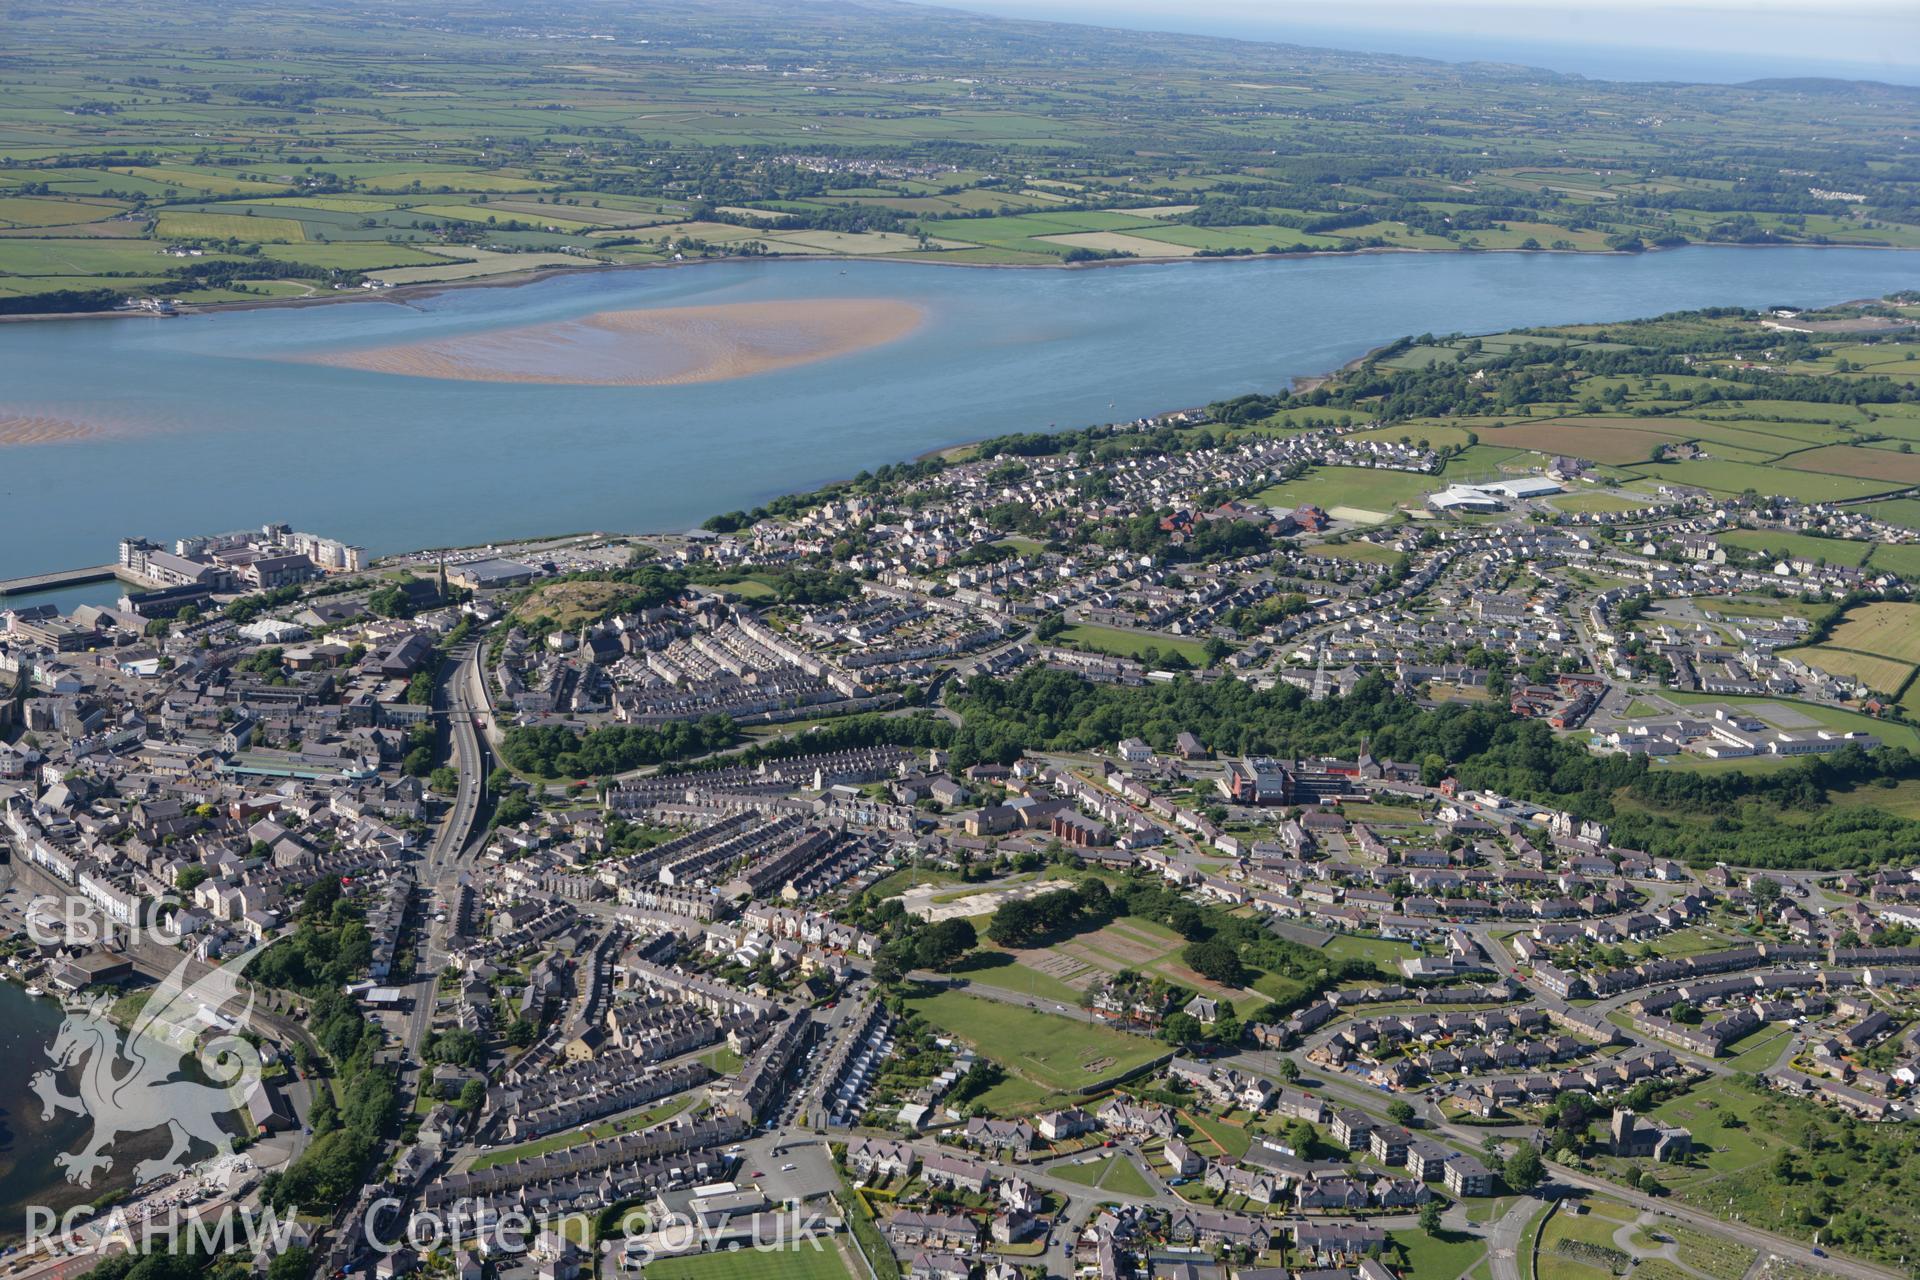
x: 1882, y: 675
x: 1366, y: 552
x: 1889, y: 629
x: 1796, y: 545
x: 1902, y: 558
x: 993, y: 969
x: 898, y: 882
x: 1117, y: 1174
x: 1233, y: 1140
x: 1384, y: 952
x: 1028, y: 142
x: 1595, y: 503
x: 1900, y: 511
x: 1129, y: 644
x: 1761, y: 607
x: 81, y: 257
x: 222, y: 226
x: 1902, y: 798
x: 1735, y: 478
x: 802, y: 1262
x: 1063, y: 1053
x: 1877, y: 644
x: 1450, y: 1254
x: 1364, y: 488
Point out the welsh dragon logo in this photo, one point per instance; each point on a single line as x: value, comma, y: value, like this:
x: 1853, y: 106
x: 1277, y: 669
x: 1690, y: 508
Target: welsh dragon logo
x: 133, y: 1084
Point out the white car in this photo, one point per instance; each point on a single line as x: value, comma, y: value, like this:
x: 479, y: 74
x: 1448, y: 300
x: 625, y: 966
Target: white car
x: 788, y: 1168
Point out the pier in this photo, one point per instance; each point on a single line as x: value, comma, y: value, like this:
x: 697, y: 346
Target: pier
x: 66, y: 578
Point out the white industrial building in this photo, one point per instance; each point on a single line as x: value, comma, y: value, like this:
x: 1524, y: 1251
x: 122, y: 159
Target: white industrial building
x: 1460, y: 497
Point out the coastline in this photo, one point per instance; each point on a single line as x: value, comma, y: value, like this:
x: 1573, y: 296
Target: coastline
x: 1369, y: 330
x: 1302, y: 383
x: 402, y: 295
x: 1305, y: 382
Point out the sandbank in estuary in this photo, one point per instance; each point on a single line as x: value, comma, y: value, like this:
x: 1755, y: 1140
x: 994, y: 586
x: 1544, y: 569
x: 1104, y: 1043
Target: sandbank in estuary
x: 650, y: 347
x: 20, y: 428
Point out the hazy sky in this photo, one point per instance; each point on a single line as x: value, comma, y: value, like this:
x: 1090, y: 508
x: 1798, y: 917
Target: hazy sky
x: 1637, y: 39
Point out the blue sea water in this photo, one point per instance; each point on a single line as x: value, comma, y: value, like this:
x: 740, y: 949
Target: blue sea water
x: 233, y: 430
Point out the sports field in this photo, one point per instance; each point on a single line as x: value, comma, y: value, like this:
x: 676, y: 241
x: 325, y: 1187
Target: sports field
x: 1595, y: 503
x: 1362, y: 487
x: 802, y: 1262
